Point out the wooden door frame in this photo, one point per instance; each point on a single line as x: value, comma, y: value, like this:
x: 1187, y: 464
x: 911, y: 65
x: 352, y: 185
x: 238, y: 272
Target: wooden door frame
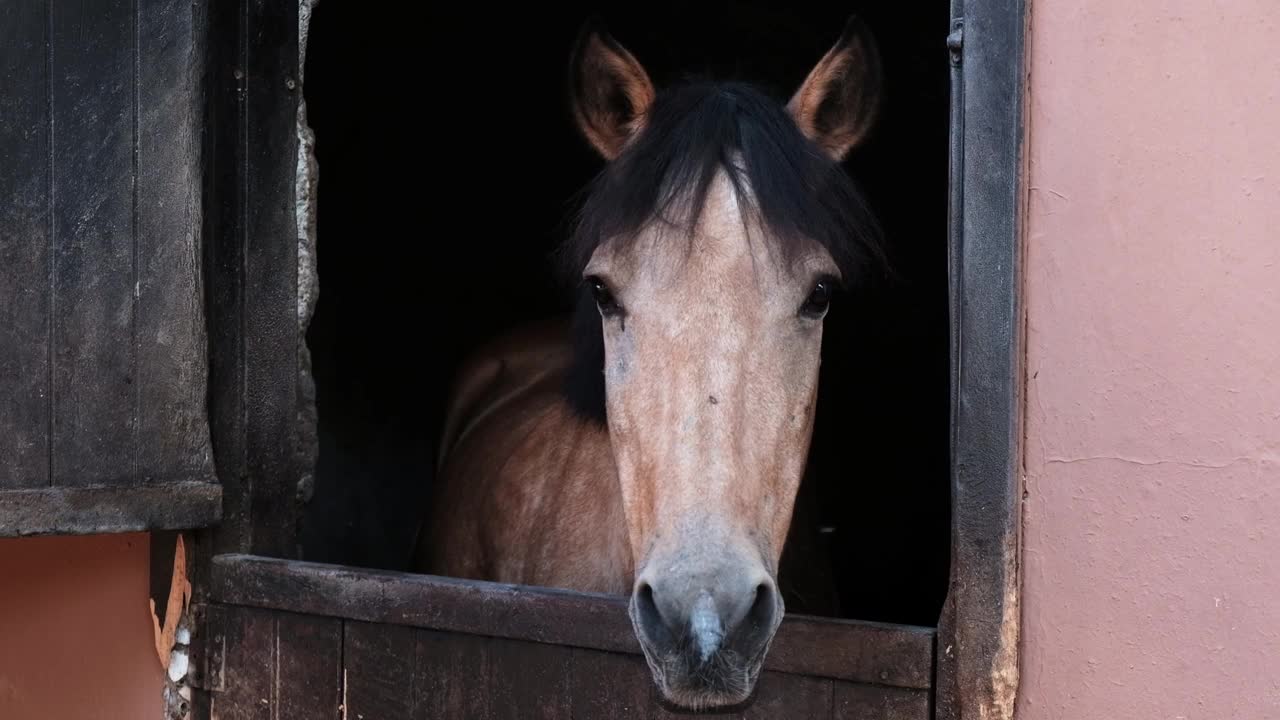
x: 977, y: 655
x: 257, y: 390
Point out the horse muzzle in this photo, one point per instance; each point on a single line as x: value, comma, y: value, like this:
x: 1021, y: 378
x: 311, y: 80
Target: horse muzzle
x: 705, y: 634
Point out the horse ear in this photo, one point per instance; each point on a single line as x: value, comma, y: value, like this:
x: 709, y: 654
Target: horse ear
x: 610, y: 92
x: 838, y: 102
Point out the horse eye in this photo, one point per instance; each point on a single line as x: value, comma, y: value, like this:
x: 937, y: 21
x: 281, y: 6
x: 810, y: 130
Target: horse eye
x: 819, y: 299
x: 604, y: 299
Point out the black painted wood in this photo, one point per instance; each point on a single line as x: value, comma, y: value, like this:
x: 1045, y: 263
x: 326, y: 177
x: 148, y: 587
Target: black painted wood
x: 272, y: 665
x: 225, y: 164
x: 94, y: 373
x: 977, y: 635
x: 890, y: 655
x: 863, y: 702
x: 275, y: 663
x: 250, y: 148
x: 169, y: 334
x: 102, y: 350
x: 308, y: 667
x: 398, y: 689
x: 271, y: 275
x: 24, y: 247
x: 109, y: 509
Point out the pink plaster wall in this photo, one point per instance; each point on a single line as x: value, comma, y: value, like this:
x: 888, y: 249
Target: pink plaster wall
x: 76, y: 639
x: 1151, y: 560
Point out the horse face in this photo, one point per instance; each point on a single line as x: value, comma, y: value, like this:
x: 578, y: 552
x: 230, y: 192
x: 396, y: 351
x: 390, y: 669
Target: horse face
x: 711, y: 376
x: 712, y: 348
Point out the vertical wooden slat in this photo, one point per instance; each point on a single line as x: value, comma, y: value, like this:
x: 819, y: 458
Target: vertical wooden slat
x: 870, y: 702
x: 224, y: 162
x: 612, y: 685
x: 93, y: 66
x: 24, y: 246
x: 453, y: 672
x: 381, y: 678
x: 170, y: 318
x: 528, y: 680
x: 275, y: 665
x: 248, y: 667
x: 270, y: 274
x: 791, y: 696
x: 308, y: 668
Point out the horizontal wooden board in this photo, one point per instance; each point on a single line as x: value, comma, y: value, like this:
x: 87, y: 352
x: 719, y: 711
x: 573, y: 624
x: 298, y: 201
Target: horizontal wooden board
x: 275, y: 663
x: 109, y: 509
x: 887, y: 655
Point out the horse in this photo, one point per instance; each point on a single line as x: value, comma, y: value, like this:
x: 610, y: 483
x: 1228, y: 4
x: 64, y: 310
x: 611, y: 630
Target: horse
x: 652, y: 444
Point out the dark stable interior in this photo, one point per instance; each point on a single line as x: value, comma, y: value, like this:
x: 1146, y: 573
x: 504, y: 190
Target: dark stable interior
x: 447, y: 167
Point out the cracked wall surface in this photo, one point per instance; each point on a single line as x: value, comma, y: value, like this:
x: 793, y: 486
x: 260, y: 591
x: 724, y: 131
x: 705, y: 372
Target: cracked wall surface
x: 1152, y: 448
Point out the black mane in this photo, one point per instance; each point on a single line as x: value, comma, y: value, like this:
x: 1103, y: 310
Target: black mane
x: 785, y: 184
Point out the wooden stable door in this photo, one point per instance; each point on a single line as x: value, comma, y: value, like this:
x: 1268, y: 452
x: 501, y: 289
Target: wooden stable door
x: 287, y: 639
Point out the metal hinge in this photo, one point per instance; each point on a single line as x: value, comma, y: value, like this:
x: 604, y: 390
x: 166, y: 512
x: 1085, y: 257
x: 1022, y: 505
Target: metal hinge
x: 209, y: 650
x: 955, y: 41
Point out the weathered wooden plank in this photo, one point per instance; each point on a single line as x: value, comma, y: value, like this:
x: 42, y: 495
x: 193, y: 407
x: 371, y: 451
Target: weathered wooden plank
x: 94, y: 377
x: 169, y: 327
x: 779, y: 695
x: 109, y: 509
x: 225, y: 165
x: 873, y: 702
x: 271, y: 274
x: 613, y: 685
x: 308, y: 667
x: 452, y: 676
x: 24, y: 246
x: 247, y: 638
x: 382, y: 679
x: 848, y: 650
x: 886, y: 654
x: 519, y: 612
x: 527, y: 680
x: 265, y: 664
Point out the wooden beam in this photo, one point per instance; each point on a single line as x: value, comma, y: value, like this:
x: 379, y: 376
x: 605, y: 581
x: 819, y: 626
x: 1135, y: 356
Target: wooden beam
x: 873, y: 653
x: 109, y: 509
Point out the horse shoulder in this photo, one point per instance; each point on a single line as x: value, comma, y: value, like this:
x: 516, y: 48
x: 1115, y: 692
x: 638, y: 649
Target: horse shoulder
x: 525, y: 488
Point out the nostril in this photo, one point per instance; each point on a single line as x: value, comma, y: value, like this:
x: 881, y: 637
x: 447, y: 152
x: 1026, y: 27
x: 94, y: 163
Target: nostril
x: 760, y: 615
x: 648, y: 617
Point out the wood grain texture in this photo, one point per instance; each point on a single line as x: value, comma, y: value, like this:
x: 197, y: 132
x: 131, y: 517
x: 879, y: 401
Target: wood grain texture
x: 276, y: 665
x: 109, y: 509
x: 24, y: 247
x: 871, y: 702
x: 245, y: 669
x: 102, y: 352
x: 863, y: 652
x: 299, y: 666
x: 270, y: 275
x: 382, y: 678
x: 172, y: 424
x: 308, y: 667
x: 93, y: 103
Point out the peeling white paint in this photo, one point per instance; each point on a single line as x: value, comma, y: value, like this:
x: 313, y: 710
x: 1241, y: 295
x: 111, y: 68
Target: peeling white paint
x: 178, y: 665
x: 305, y: 196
